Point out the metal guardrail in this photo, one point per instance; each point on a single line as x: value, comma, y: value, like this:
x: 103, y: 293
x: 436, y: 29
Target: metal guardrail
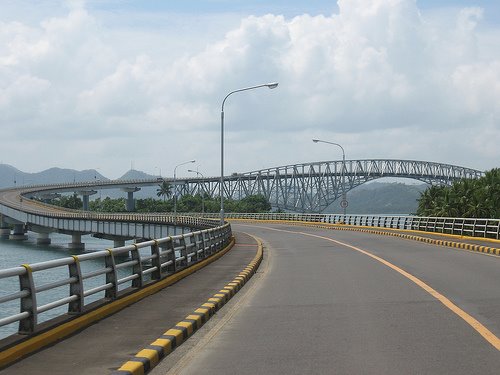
x: 485, y: 228
x: 45, y: 210
x: 171, y: 254
x: 121, y: 267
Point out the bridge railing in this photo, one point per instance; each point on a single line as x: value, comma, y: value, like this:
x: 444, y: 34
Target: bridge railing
x: 84, y: 282
x: 485, y: 228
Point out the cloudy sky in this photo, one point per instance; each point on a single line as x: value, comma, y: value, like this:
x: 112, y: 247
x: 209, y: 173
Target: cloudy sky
x: 115, y: 84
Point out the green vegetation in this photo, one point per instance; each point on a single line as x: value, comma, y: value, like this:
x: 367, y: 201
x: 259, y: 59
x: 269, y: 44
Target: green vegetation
x: 466, y: 198
x: 164, y: 190
x: 70, y: 201
x: 187, y: 203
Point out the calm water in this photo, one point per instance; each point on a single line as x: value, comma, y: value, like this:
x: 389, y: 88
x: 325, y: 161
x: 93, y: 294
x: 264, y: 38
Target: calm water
x: 15, y: 253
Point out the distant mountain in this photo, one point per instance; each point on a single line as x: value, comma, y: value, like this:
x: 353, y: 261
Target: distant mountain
x: 382, y: 198
x: 136, y: 175
x: 10, y: 176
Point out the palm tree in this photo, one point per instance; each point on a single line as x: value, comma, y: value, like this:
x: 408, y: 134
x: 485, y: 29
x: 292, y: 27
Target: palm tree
x: 164, y: 190
x: 430, y: 200
x: 465, y: 198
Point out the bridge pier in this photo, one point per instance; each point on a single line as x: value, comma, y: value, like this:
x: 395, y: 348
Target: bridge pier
x: 43, y: 239
x: 4, y: 233
x: 18, y: 233
x: 130, y: 197
x: 76, y: 242
x: 85, y: 197
x: 4, y: 228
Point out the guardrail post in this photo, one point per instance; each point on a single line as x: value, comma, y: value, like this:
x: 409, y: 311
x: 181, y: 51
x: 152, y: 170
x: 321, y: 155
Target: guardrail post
x: 415, y: 223
x: 156, y: 261
x: 76, y: 288
x: 485, y: 226
x: 111, y: 276
x: 138, y: 282
x: 169, y: 249
x: 189, y: 242
x: 28, y: 303
x: 200, y: 249
x: 180, y: 246
x: 209, y: 241
x: 221, y: 239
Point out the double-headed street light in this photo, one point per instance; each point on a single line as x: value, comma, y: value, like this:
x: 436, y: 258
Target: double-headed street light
x: 343, y: 202
x: 268, y: 85
x: 175, y: 184
x: 203, y: 193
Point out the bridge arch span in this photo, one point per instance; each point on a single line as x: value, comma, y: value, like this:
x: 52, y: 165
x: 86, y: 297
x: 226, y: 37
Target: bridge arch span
x: 312, y: 187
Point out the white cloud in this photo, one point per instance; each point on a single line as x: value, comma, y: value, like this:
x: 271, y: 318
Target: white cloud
x: 379, y: 76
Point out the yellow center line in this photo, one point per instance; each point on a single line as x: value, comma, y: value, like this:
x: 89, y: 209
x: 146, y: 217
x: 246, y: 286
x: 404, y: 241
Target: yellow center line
x: 473, y: 322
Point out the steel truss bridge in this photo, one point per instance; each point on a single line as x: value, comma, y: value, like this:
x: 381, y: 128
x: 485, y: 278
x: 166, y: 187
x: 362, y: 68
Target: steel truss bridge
x: 307, y: 188
x: 312, y: 187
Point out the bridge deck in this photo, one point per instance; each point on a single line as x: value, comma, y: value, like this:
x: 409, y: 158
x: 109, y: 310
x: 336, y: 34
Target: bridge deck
x: 106, y: 345
x: 324, y: 302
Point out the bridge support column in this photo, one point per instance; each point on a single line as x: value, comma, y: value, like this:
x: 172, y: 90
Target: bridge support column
x: 18, y: 233
x: 85, y: 200
x: 43, y: 239
x: 85, y: 197
x: 4, y: 233
x: 4, y: 228
x: 76, y: 242
x: 130, y: 197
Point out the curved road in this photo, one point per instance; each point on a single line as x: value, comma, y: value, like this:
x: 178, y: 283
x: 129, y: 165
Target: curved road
x: 324, y: 302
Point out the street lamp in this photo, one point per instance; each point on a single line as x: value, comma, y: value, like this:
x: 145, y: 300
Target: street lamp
x: 175, y: 185
x: 268, y: 85
x: 343, y: 202
x: 203, y: 193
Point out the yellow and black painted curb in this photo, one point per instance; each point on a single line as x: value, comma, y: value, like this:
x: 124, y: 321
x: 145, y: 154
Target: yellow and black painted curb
x: 49, y: 337
x: 394, y: 232
x: 152, y: 354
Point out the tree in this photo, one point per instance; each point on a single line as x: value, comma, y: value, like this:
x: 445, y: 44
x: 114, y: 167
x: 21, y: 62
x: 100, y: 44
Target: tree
x: 478, y: 198
x: 72, y: 201
x: 254, y: 203
x: 153, y: 205
x: 164, y: 190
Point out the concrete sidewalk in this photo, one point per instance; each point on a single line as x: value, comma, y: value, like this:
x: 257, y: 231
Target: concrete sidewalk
x: 106, y: 345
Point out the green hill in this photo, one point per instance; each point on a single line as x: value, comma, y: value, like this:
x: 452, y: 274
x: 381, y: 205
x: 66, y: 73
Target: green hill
x: 382, y: 198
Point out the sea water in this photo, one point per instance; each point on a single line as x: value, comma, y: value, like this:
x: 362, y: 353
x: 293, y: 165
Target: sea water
x: 14, y: 253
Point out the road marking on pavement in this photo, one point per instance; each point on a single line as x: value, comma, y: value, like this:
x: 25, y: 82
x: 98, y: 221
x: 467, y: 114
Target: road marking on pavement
x: 473, y: 322
x: 484, y: 250
x: 224, y: 320
x: 149, y: 357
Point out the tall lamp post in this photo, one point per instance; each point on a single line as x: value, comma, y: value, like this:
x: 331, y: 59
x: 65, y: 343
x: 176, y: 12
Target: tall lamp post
x: 343, y: 202
x: 202, y: 196
x: 268, y: 85
x: 175, y: 185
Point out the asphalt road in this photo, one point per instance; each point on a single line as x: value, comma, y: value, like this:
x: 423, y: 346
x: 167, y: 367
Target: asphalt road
x: 325, y: 303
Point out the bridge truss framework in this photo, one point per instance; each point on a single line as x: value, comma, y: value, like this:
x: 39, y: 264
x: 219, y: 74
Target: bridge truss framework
x: 312, y: 187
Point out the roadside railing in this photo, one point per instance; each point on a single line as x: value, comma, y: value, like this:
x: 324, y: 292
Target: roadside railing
x: 486, y: 228
x: 82, y: 282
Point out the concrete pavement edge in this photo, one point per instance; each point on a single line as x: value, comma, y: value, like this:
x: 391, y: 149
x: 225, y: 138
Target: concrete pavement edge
x: 151, y: 355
